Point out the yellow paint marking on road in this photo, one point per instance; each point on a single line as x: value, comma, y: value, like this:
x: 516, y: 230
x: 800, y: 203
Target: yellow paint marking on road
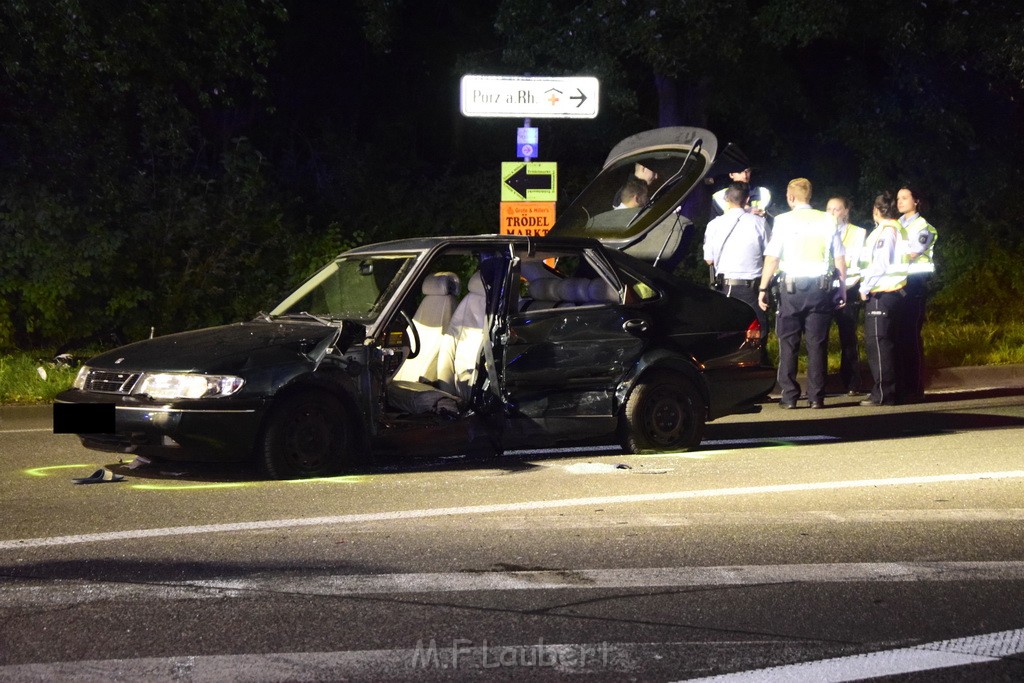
x: 45, y: 471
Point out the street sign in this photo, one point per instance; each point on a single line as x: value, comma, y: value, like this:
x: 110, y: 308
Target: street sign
x: 527, y: 143
x: 536, y: 181
x: 568, y: 97
x: 532, y: 219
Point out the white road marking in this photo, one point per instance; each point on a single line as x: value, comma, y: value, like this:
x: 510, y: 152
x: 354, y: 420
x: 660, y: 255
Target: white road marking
x: 53, y: 594
x: 942, y: 654
x: 133, y: 534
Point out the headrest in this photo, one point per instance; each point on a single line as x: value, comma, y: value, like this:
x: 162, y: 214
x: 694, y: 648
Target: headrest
x: 476, y: 283
x: 441, y: 284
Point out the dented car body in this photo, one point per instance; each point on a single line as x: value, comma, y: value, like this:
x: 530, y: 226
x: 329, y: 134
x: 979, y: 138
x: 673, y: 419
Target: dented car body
x: 456, y: 344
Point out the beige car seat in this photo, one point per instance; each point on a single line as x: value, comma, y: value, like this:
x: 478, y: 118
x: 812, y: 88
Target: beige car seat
x: 457, y: 361
x: 440, y: 294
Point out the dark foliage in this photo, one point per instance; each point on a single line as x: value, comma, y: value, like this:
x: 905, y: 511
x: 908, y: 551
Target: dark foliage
x: 175, y: 164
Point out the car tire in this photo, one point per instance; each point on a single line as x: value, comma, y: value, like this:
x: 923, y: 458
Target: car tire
x: 663, y: 413
x: 306, y: 435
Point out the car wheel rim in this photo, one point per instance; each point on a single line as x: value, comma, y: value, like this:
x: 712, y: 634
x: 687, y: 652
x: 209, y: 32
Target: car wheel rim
x: 666, y: 419
x: 309, y: 440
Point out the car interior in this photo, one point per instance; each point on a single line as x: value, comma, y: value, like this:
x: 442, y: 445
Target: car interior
x: 451, y: 332
x: 440, y: 297
x: 449, y: 367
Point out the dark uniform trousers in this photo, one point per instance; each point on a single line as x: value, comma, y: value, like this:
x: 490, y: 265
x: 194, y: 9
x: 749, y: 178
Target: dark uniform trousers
x: 909, y: 345
x: 846, y: 323
x: 883, y: 318
x: 806, y: 311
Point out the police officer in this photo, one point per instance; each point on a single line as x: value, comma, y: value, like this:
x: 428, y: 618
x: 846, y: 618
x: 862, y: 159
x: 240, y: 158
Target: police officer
x: 805, y: 246
x: 883, y: 279
x: 846, y: 317
x: 920, y: 245
x: 734, y: 249
x: 760, y: 198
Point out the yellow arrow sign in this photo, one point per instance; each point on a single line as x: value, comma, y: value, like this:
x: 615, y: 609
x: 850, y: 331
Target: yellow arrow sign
x: 536, y: 181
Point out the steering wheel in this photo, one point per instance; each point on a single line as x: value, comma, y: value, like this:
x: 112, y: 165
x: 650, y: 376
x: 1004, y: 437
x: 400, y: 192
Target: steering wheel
x: 413, y: 350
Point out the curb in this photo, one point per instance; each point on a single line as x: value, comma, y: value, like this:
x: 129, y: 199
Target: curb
x: 937, y: 381
x: 976, y: 377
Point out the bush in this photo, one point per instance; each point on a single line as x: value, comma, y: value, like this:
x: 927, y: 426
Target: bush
x: 979, y: 281
x: 172, y: 253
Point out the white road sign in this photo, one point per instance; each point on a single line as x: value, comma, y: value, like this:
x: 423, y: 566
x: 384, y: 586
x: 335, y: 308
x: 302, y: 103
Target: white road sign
x: 566, y: 97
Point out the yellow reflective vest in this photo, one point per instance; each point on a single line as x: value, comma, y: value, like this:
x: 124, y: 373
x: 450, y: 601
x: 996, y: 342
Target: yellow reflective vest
x: 884, y: 259
x: 805, y: 242
x: 921, y: 237
x: 853, y: 238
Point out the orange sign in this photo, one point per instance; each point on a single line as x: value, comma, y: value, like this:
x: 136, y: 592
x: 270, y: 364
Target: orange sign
x: 532, y: 219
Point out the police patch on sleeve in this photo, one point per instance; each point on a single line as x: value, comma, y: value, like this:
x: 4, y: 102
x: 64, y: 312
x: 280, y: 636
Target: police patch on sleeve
x: 923, y: 238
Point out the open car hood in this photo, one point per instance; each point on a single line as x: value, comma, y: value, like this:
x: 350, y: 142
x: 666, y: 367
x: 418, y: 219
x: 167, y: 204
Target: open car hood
x: 680, y: 157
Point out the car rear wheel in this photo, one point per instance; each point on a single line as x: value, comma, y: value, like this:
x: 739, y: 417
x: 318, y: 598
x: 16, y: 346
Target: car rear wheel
x: 663, y: 413
x: 307, y: 435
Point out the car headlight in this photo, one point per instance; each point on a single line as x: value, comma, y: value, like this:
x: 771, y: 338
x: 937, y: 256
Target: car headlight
x: 80, y: 378
x: 170, y: 385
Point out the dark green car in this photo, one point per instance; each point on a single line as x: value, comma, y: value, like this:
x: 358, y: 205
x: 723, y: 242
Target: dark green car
x: 454, y: 344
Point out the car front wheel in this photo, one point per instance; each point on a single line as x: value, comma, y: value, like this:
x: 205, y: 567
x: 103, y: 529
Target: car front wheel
x: 664, y: 413
x: 307, y: 435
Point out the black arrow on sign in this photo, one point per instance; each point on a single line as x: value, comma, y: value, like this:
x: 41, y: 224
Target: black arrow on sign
x: 582, y: 98
x: 521, y: 181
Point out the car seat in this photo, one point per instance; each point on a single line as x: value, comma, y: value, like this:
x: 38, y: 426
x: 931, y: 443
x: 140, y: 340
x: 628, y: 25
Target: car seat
x: 459, y: 356
x: 541, y: 293
x: 440, y: 294
x: 457, y: 361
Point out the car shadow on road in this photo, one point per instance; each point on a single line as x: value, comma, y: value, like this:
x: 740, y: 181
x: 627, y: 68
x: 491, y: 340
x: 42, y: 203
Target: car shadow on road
x: 931, y: 416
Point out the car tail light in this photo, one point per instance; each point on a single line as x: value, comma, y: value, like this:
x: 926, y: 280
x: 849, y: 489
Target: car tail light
x: 754, y: 333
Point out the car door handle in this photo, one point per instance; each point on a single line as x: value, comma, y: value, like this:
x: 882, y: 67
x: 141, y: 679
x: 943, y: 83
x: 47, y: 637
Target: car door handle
x: 635, y: 326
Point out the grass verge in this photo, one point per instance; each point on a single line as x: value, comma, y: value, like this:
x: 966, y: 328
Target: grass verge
x: 22, y: 382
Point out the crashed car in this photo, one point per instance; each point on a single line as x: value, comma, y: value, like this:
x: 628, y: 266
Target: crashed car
x: 454, y: 344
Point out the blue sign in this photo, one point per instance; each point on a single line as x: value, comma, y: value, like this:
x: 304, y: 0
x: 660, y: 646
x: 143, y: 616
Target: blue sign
x: 527, y: 143
x: 527, y: 151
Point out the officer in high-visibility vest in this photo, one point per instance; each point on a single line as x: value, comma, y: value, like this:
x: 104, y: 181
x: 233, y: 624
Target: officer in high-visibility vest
x: 805, y: 246
x: 920, y: 246
x: 847, y: 316
x: 883, y: 279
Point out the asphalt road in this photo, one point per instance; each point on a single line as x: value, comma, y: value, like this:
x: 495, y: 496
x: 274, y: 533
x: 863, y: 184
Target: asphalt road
x: 832, y: 545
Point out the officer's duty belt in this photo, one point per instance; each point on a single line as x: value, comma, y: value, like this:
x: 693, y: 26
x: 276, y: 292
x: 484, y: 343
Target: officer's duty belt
x: 733, y: 282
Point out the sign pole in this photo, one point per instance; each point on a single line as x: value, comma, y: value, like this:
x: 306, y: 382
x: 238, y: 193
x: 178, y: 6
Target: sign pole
x: 526, y: 124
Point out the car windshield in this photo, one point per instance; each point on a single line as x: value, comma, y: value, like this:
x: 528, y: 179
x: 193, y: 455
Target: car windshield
x: 350, y: 288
